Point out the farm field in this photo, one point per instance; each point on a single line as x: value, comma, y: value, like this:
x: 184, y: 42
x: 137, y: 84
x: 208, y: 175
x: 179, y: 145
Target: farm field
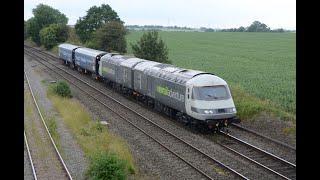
x: 262, y: 64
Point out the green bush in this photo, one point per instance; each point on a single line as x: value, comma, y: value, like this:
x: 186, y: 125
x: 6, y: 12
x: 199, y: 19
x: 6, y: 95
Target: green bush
x: 96, y: 16
x: 111, y: 37
x: 104, y: 165
x: 25, y: 30
x: 151, y: 47
x: 53, y: 34
x: 91, y: 44
x: 62, y: 89
x: 44, y: 15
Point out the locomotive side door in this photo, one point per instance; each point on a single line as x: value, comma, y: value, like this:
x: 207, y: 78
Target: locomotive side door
x: 188, y: 98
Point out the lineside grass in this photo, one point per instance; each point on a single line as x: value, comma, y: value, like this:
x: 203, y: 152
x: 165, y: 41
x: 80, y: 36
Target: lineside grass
x: 249, y: 106
x: 31, y: 127
x: 91, y: 135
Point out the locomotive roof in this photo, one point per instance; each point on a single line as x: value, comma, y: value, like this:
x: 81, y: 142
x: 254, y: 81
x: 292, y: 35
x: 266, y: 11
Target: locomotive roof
x: 172, y: 73
x: 88, y: 51
x: 68, y: 46
x: 146, y: 64
x: 114, y: 58
x: 131, y: 62
x: 160, y: 70
x: 207, y: 80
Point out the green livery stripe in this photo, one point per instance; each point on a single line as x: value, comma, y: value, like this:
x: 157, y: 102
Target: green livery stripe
x: 163, y: 90
x: 169, y: 92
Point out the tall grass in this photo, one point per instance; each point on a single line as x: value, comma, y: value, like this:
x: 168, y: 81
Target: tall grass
x: 249, y: 106
x: 91, y: 135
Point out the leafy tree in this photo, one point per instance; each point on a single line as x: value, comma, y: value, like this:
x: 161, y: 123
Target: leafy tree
x: 257, y: 26
x: 25, y: 30
x: 111, y: 37
x: 241, y: 29
x: 95, y: 18
x: 44, y: 15
x: 53, y: 34
x: 151, y: 47
x: 278, y: 30
x: 33, y: 30
x: 72, y: 37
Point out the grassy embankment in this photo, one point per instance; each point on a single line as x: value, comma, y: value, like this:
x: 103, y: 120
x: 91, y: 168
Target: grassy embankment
x: 93, y: 137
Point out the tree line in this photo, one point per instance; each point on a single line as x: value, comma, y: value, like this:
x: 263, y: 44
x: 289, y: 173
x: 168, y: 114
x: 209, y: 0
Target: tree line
x: 101, y: 28
x: 256, y: 26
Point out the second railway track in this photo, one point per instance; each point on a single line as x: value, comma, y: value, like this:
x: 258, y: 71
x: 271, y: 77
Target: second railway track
x: 276, y: 165
x: 60, y: 169
x: 264, y: 137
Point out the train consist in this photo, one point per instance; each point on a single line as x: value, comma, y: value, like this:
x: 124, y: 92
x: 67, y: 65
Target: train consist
x: 192, y: 97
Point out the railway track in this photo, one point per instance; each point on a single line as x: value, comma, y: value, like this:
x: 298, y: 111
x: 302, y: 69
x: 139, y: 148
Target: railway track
x: 30, y: 157
x: 272, y: 163
x: 191, y: 155
x: 264, y: 137
x: 62, y: 163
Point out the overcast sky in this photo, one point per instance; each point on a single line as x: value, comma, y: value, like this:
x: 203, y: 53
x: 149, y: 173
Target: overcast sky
x: 190, y: 13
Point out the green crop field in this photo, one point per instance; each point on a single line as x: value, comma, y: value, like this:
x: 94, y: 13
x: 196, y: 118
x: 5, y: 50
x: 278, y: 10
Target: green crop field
x: 262, y: 64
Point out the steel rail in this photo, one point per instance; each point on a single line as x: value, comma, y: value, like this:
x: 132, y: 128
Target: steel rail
x: 44, y: 123
x: 30, y: 158
x: 259, y: 150
x: 263, y: 136
x: 145, y: 118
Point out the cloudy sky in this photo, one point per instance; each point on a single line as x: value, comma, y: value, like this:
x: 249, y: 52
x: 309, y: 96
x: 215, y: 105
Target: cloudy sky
x: 190, y: 13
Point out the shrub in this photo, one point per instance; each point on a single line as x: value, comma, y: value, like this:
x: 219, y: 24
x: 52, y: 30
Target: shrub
x: 25, y: 30
x: 44, y: 15
x: 62, y: 89
x: 104, y: 165
x: 53, y: 34
x: 92, y: 44
x: 93, y: 20
x: 151, y: 47
x: 111, y: 37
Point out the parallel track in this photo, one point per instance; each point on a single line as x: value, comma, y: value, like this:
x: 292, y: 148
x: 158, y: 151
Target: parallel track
x: 30, y: 157
x: 262, y: 158
x: 187, y: 145
x: 64, y: 166
x: 263, y: 136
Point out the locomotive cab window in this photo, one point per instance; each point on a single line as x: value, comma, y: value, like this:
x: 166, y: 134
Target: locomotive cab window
x: 210, y: 93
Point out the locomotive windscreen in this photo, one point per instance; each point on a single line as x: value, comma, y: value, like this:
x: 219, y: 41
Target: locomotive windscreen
x: 210, y: 93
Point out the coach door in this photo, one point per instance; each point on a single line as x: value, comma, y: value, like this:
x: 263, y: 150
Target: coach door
x: 188, y: 98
